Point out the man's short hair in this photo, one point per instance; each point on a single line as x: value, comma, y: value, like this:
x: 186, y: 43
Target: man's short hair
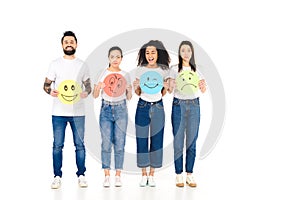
x: 68, y: 33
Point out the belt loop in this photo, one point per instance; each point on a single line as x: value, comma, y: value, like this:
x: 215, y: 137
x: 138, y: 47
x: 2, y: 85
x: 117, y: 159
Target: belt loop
x: 113, y: 103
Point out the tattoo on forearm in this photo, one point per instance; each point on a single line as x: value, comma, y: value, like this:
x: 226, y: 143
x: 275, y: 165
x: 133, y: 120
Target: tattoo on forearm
x: 47, y: 87
x: 87, y: 85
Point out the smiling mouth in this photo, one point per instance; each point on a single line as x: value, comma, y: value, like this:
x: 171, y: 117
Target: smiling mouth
x: 151, y: 87
x: 187, y: 85
x: 69, y: 98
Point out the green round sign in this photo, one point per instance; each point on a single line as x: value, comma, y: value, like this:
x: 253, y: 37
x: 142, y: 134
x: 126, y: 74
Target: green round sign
x: 187, y: 82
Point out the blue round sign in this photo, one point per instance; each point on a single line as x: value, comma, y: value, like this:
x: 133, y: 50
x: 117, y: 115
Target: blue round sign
x: 151, y: 82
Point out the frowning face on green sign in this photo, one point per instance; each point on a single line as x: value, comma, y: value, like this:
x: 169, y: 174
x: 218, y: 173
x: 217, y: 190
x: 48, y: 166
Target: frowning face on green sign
x: 187, y: 82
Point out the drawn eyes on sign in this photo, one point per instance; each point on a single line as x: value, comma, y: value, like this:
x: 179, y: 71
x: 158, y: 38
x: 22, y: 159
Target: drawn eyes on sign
x: 115, y: 85
x: 120, y: 83
x: 183, y: 79
x: 66, y: 87
x: 69, y: 92
x: 187, y: 82
x: 112, y: 81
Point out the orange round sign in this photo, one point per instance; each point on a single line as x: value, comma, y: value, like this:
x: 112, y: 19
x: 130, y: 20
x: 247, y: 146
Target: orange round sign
x: 115, y: 85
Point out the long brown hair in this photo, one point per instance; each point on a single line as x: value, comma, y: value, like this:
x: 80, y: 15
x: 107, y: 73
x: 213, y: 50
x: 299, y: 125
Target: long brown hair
x: 115, y: 48
x: 192, y: 60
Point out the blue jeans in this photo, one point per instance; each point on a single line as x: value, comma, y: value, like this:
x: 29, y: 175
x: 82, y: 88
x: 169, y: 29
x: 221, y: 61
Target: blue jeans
x: 59, y: 124
x: 113, y: 125
x: 149, y: 117
x: 185, y: 122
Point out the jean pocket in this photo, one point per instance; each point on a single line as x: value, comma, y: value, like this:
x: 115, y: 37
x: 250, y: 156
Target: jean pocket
x: 104, y: 106
x: 160, y: 105
x: 123, y: 108
x: 176, y: 102
x: 195, y: 102
x: 142, y: 104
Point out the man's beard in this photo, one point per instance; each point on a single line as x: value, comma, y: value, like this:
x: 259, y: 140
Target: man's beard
x: 70, y: 52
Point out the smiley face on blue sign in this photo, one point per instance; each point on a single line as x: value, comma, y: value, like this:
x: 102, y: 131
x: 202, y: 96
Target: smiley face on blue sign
x: 151, y: 82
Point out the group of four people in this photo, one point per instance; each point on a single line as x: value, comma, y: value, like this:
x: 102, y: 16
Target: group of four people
x: 153, y: 79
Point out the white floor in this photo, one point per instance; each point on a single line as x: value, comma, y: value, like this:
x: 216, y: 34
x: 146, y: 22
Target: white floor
x: 165, y: 189
x: 22, y: 186
x: 231, y: 171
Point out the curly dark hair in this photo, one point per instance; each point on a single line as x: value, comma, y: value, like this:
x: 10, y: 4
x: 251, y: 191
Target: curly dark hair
x: 163, y: 59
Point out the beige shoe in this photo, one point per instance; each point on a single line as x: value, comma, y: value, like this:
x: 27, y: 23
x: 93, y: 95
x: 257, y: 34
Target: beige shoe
x: 179, y: 180
x: 191, y: 181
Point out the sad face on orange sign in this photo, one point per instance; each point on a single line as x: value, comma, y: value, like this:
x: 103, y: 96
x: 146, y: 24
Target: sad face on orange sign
x: 115, y: 85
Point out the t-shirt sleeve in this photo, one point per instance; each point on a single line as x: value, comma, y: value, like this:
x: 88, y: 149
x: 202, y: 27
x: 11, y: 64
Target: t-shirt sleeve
x: 138, y: 72
x: 86, y: 73
x: 51, y: 74
x: 200, y: 75
x: 173, y: 72
x: 101, y: 76
x: 128, y: 80
x: 167, y: 74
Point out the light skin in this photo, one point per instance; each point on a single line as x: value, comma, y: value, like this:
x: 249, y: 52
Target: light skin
x: 186, y: 55
x: 115, y: 59
x: 68, y: 43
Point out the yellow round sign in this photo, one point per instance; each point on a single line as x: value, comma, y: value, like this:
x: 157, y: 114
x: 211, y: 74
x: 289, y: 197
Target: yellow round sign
x: 69, y: 92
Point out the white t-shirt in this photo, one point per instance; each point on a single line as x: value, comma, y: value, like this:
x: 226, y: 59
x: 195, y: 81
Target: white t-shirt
x: 63, y: 69
x: 174, y: 73
x: 105, y: 96
x: 151, y: 97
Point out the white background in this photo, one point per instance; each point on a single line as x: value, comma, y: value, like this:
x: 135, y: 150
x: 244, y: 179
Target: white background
x: 255, y: 47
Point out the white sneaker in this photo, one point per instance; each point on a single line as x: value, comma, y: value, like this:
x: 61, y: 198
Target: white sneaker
x: 82, y: 182
x: 144, y: 181
x: 118, y: 182
x: 179, y: 180
x: 56, y: 183
x: 191, y: 181
x: 106, y: 182
x: 151, y: 181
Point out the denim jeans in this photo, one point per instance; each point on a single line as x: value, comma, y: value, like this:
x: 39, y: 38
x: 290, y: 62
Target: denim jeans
x: 185, y: 123
x: 59, y: 124
x: 113, y: 125
x: 149, y: 117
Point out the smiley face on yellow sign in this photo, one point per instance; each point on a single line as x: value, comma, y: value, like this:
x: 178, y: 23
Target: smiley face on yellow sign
x: 69, y: 92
